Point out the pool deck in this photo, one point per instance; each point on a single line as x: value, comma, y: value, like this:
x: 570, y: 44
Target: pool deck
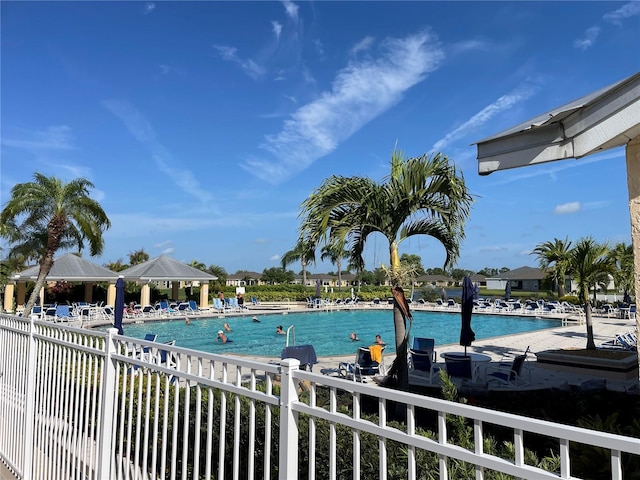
x: 571, y: 336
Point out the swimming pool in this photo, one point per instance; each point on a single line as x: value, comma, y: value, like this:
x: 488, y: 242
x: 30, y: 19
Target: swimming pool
x: 328, y: 332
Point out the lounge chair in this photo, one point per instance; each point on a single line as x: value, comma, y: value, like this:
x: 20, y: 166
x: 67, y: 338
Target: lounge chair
x: 144, y: 353
x: 64, y: 314
x: 421, y: 368
x: 425, y: 345
x: 629, y: 341
x: 218, y: 305
x: 50, y: 313
x: 184, y: 308
x: 166, y: 358
x: 510, y: 375
x: 364, y: 365
x: 459, y: 367
x: 148, y: 311
x: 622, y: 341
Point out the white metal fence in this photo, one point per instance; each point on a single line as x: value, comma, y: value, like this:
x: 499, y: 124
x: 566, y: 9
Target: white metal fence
x: 83, y: 404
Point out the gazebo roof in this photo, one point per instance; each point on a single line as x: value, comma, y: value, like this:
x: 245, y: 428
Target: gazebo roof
x: 604, y: 119
x: 164, y: 268
x: 71, y: 268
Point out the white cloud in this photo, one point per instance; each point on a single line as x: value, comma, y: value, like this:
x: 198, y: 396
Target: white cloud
x: 291, y: 9
x: 56, y: 137
x: 493, y: 248
x: 261, y: 240
x: 149, y: 7
x: 143, y: 132
x: 277, y: 29
x: 506, y: 102
x: 627, y: 10
x: 590, y: 36
x: 360, y: 92
x: 167, y: 251
x: 362, y: 45
x: 567, y: 208
x: 275, y: 258
x: 469, y: 46
x: 319, y: 47
x: 250, y: 67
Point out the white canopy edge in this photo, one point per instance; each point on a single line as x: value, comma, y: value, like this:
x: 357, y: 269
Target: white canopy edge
x: 606, y: 119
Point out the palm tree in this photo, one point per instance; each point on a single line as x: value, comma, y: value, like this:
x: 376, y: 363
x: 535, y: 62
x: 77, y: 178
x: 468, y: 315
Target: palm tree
x: 305, y: 252
x: 622, y: 255
x: 421, y: 196
x: 554, y: 257
x: 589, y: 264
x: 52, y: 215
x: 137, y: 257
x: 335, y: 252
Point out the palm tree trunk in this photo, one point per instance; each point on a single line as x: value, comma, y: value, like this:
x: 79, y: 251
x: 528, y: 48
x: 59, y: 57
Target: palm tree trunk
x: 561, y: 291
x: 587, y: 313
x: 339, y: 263
x: 400, y: 367
x: 304, y: 273
x: 45, y: 268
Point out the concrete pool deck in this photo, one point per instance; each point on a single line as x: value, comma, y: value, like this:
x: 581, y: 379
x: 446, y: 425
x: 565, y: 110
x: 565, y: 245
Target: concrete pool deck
x: 572, y: 336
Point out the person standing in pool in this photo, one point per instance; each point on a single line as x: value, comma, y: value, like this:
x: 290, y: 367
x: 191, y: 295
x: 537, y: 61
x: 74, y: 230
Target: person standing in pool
x: 255, y: 320
x: 222, y: 337
x: 227, y: 328
x: 280, y: 331
x: 354, y: 337
x: 379, y: 340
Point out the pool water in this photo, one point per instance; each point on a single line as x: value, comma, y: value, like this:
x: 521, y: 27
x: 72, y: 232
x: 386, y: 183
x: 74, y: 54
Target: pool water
x: 328, y: 332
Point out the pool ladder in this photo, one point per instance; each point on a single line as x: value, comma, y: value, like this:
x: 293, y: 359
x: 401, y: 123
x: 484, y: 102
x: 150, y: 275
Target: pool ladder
x: 291, y: 331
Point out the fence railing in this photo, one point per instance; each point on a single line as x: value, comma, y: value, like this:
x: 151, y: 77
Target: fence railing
x: 85, y: 404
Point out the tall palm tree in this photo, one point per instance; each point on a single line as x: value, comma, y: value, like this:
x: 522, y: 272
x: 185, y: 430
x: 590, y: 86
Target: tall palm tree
x: 51, y: 215
x: 589, y: 264
x: 622, y: 255
x: 304, y: 252
x: 421, y: 196
x: 554, y: 257
x: 335, y: 252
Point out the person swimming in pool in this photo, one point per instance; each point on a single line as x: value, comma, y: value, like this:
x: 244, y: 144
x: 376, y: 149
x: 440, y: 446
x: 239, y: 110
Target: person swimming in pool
x: 379, y: 340
x: 354, y: 337
x: 223, y: 338
x: 255, y: 320
x: 227, y: 328
x: 280, y: 331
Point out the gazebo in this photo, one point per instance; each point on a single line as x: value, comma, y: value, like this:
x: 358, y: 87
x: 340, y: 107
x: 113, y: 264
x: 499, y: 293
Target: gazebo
x: 69, y: 267
x: 165, y: 268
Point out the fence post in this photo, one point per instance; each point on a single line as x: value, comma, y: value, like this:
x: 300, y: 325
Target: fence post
x: 288, y: 461
x: 109, y: 393
x: 29, y: 412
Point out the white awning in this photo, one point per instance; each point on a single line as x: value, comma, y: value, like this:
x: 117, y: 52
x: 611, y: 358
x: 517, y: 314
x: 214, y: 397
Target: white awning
x: 596, y: 122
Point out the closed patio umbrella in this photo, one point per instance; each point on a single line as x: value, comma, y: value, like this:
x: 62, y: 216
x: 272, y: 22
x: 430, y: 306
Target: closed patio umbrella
x: 466, y: 334
x: 318, y: 286
x: 119, y: 306
x: 507, y: 291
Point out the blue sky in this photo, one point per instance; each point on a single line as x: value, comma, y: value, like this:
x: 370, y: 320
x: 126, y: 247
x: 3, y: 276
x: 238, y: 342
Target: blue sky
x: 204, y: 125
